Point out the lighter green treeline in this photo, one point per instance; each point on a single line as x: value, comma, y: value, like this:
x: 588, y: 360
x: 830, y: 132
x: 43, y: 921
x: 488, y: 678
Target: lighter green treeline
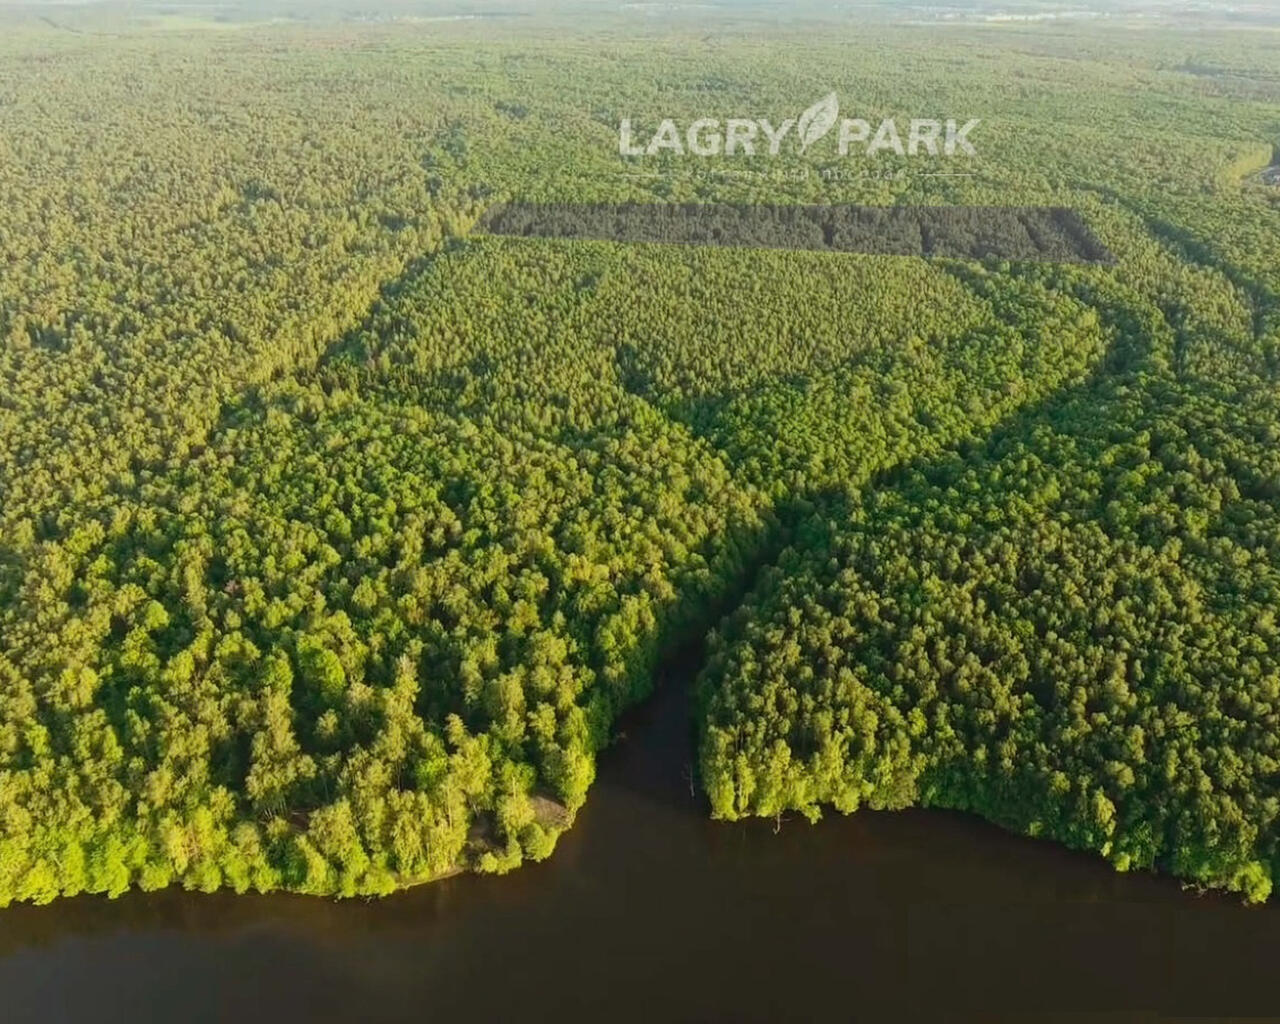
x: 380, y: 626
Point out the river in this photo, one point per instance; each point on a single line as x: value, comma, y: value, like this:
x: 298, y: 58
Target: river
x: 648, y: 911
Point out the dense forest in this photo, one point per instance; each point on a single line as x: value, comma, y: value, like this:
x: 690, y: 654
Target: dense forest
x: 337, y: 530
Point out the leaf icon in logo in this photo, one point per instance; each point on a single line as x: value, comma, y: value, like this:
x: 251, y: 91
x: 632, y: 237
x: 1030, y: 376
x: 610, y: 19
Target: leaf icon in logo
x: 817, y: 121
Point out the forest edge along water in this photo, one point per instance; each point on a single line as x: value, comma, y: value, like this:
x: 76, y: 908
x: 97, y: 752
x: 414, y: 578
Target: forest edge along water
x: 648, y: 910
x: 330, y: 539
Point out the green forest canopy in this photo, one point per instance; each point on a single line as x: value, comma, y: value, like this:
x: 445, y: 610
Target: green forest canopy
x: 336, y: 534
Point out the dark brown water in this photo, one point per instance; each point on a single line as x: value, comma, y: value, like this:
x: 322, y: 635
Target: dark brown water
x: 650, y: 912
